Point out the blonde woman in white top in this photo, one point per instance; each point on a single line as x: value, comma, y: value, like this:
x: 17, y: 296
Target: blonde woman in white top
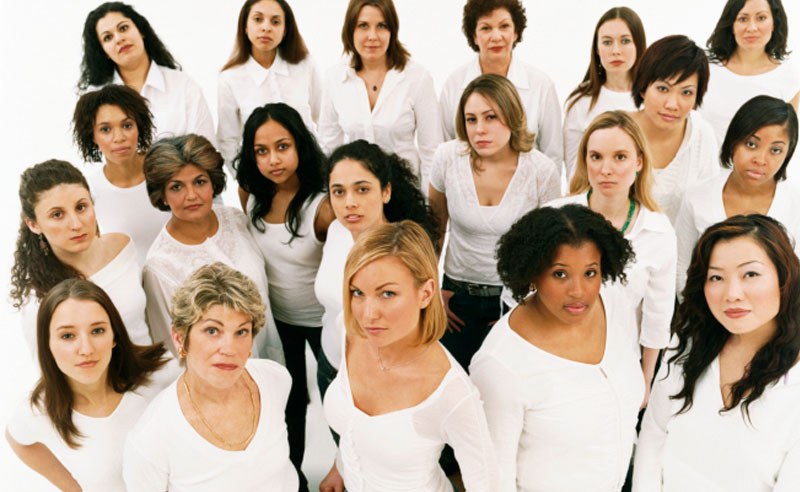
x: 270, y: 63
x: 670, y: 82
x: 379, y: 94
x: 613, y: 177
x: 618, y: 42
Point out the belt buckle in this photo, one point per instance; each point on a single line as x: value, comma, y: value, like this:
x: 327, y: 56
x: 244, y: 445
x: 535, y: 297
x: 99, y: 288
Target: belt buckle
x: 476, y: 290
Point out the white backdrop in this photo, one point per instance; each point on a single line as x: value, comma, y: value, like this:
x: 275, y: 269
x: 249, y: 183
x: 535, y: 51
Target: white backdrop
x: 41, y: 53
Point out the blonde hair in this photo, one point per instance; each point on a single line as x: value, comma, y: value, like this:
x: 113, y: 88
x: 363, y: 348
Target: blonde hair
x: 501, y: 93
x: 642, y: 185
x: 210, y: 285
x: 408, y: 242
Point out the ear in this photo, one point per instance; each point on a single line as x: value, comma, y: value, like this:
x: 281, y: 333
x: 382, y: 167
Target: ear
x: 639, y: 163
x: 387, y: 193
x: 426, y: 293
x: 32, y: 226
x: 177, y: 339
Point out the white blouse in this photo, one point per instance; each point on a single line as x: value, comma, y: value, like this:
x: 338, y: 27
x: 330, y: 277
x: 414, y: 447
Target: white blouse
x: 406, y: 108
x: 538, y: 95
x: 558, y: 424
x: 579, y: 116
x: 399, y: 451
x: 697, y: 159
x: 702, y: 450
x: 170, y: 262
x: 650, y: 277
x: 245, y: 87
x: 475, y: 230
x: 703, y: 207
x: 164, y: 452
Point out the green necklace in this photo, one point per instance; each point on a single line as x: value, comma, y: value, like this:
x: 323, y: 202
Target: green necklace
x: 630, y: 212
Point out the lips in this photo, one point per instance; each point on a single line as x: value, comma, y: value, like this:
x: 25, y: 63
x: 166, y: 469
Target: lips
x: 353, y: 217
x: 752, y: 173
x: 483, y: 143
x: 125, y: 49
x: 497, y: 49
x: 669, y: 118
x: 374, y: 330
x: 617, y: 63
x: 194, y: 207
x: 226, y: 367
x: 120, y: 150
x: 277, y: 172
x: 87, y: 364
x: 736, y: 313
x: 575, y: 308
x: 80, y: 237
x: 265, y: 39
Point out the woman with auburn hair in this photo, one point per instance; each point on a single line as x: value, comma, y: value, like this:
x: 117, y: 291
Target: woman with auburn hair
x: 379, y: 94
x: 617, y: 45
x: 492, y: 29
x: 94, y: 385
x: 723, y: 412
x: 749, y: 57
x: 482, y: 183
x: 613, y: 178
x: 397, y: 384
x: 269, y: 64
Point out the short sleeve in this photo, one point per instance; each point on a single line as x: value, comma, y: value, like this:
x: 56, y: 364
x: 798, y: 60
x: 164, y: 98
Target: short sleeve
x: 27, y: 424
x: 686, y: 232
x: 142, y: 470
x: 438, y: 174
x: 572, y: 134
x: 548, y: 138
x: 549, y: 184
x: 659, y: 297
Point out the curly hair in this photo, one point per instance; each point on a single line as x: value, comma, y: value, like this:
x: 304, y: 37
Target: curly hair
x: 722, y: 43
x: 701, y: 336
x: 396, y: 54
x: 128, y: 100
x: 35, y: 269
x: 407, y: 200
x: 310, y: 160
x: 96, y: 67
x: 475, y: 9
x: 526, y: 251
x: 668, y: 57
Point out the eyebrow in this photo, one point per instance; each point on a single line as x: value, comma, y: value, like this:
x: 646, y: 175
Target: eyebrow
x: 594, y: 263
x: 710, y: 267
x: 384, y: 285
x: 179, y: 181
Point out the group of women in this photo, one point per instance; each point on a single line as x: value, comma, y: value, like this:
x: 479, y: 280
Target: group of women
x: 523, y: 367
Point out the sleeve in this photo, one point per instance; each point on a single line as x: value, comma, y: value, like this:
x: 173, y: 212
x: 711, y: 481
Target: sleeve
x: 428, y: 122
x: 686, y: 232
x: 198, y: 116
x: 158, y: 291
x: 331, y: 134
x: 142, y: 470
x: 229, y: 126
x: 548, y: 138
x: 549, y: 185
x: 572, y: 134
x: 659, y: 296
x: 447, y: 108
x: 789, y: 474
x: 28, y: 315
x: 504, y: 413
x: 315, y: 97
x: 708, y: 167
x: 25, y: 425
x: 438, y: 171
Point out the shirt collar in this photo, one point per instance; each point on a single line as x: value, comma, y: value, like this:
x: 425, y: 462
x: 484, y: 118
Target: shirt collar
x: 259, y: 73
x: 516, y: 73
x: 155, y: 78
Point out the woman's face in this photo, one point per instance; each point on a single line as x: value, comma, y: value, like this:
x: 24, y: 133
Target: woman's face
x: 276, y: 153
x: 667, y: 103
x: 615, y: 46
x: 218, y: 347
x: 189, y: 194
x: 65, y: 215
x: 120, y: 39
x: 742, y: 289
x: 758, y: 158
x: 371, y: 36
x: 495, y: 35
x: 116, y: 134
x: 753, y: 26
x: 265, y: 25
x: 81, y: 341
x: 356, y: 196
x: 386, y: 301
x: 612, y: 161
x: 570, y: 287
x: 487, y: 132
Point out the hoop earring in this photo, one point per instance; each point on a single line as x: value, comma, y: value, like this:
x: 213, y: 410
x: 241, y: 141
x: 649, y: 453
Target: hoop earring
x: 182, y: 353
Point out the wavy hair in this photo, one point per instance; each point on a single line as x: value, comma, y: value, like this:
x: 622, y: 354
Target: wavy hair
x: 475, y: 9
x: 722, y: 43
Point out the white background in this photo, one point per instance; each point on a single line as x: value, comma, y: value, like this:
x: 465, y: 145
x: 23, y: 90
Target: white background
x: 41, y: 53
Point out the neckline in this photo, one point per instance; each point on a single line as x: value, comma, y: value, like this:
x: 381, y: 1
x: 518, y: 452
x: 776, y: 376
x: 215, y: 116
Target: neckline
x: 107, y: 417
x: 505, y: 192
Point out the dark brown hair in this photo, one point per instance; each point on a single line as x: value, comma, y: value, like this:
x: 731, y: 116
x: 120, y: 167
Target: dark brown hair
x: 668, y: 57
x: 396, y: 54
x: 722, y: 43
x: 475, y: 9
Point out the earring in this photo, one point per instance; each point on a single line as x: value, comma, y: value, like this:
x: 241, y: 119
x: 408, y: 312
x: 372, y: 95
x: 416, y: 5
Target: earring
x: 140, y: 148
x: 96, y: 155
x: 181, y: 352
x: 532, y: 288
x: 43, y: 245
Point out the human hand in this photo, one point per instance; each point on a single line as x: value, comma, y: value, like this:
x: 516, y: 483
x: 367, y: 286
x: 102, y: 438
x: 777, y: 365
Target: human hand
x: 332, y: 482
x: 454, y: 323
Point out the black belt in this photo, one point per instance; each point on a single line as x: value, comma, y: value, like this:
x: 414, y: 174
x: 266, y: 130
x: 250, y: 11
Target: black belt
x: 477, y: 290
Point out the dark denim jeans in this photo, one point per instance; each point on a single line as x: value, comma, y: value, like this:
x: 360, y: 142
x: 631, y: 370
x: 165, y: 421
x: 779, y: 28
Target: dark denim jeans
x: 325, y: 375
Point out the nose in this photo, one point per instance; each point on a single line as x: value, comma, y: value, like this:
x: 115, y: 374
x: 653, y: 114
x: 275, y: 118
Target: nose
x: 733, y: 289
x: 480, y: 126
x: 605, y: 167
x: 116, y: 134
x: 751, y: 24
x: 575, y: 289
x: 671, y: 100
x: 616, y: 48
x: 226, y: 344
x: 761, y: 157
x: 74, y: 221
x: 371, y: 311
x: 85, y: 346
x: 349, y: 200
x: 372, y: 33
x: 274, y: 158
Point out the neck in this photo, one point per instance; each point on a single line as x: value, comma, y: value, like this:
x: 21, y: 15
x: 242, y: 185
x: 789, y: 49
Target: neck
x: 203, y: 393
x: 377, y: 65
x: 618, y: 82
x: 135, y: 74
x: 125, y: 174
x: 553, y: 322
x: 92, y: 395
x: 193, y: 232
x: 355, y: 234
x: 400, y: 353
x: 752, y: 341
x: 87, y: 261
x: 611, y: 207
x: 502, y: 156
x: 289, y: 187
x: 749, y: 57
x: 736, y: 184
x: 495, y: 66
x: 264, y: 58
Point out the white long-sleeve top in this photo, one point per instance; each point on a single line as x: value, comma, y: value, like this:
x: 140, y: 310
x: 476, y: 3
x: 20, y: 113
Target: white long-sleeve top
x: 164, y: 452
x: 697, y: 159
x: 399, y: 451
x: 475, y: 229
x: 703, y: 206
x: 650, y: 279
x: 405, y: 110
x: 579, y: 116
x: 538, y: 95
x: 170, y: 262
x: 245, y: 87
x: 705, y: 451
x: 558, y: 424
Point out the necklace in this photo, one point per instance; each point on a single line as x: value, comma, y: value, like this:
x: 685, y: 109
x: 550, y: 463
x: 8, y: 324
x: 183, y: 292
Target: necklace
x: 208, y: 426
x: 631, y: 209
x: 406, y: 363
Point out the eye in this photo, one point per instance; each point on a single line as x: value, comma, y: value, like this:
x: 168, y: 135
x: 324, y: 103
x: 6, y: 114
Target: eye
x: 283, y: 146
x: 751, y: 144
x: 200, y: 181
x: 57, y: 215
x: 355, y: 292
x: 626, y: 41
x: 260, y: 151
x: 66, y: 336
x: 662, y: 88
x: 98, y: 331
x: 104, y: 129
x: 337, y: 192
x: 620, y: 157
x: 388, y: 294
x: 382, y: 25
x: 742, y: 19
x: 106, y: 38
x: 560, y: 274
x: 362, y: 25
x: 276, y: 22
x: 123, y: 28
x: 363, y: 189
x: 491, y: 116
x: 591, y: 273
x: 175, y: 187
x: 762, y: 17
x: 211, y: 330
x: 687, y: 92
x: 127, y: 126
x: 606, y: 42
x: 751, y: 274
x: 484, y: 28
x: 594, y: 156
x: 81, y: 207
x: 471, y: 119
x: 242, y: 332
x: 714, y: 278
x: 776, y: 150
x: 505, y: 26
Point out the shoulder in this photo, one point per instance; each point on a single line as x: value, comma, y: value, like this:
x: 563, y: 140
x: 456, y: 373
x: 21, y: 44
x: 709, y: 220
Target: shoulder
x: 701, y: 129
x: 415, y: 71
x: 269, y: 375
x: 455, y: 80
x: 451, y: 150
x: 230, y: 215
x: 232, y: 73
x: 27, y: 421
x: 116, y: 242
x: 538, y: 160
x: 159, y: 416
x: 657, y: 222
x: 337, y: 73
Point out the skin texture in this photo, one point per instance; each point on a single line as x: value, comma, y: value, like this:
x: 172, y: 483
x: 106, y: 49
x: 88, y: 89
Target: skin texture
x: 753, y: 26
x: 495, y: 35
x: 760, y: 156
x: 265, y: 29
x: 612, y: 161
x: 356, y: 196
x: 371, y: 36
x: 121, y: 40
x: 65, y: 215
x: 276, y: 153
x: 616, y: 50
x: 487, y: 132
x: 116, y: 134
x: 189, y: 193
x: 667, y: 103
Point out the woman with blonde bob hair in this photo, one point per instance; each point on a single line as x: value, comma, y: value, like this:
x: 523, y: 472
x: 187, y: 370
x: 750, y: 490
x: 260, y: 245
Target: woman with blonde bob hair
x: 613, y: 177
x: 397, y: 384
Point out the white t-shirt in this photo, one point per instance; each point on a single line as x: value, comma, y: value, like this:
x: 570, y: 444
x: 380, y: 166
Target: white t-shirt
x: 245, y: 87
x: 475, y: 230
x: 538, y: 95
x: 406, y: 108
x: 164, y: 452
x: 291, y: 266
x: 170, y: 262
x: 558, y: 424
x: 399, y: 451
x: 97, y: 464
x: 126, y: 210
x: 578, y: 118
x: 705, y: 451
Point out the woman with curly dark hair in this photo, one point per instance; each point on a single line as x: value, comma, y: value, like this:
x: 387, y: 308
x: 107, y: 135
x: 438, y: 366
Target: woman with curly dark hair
x: 120, y: 47
x: 723, y: 412
x: 366, y: 187
x: 559, y: 375
x: 748, y: 58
